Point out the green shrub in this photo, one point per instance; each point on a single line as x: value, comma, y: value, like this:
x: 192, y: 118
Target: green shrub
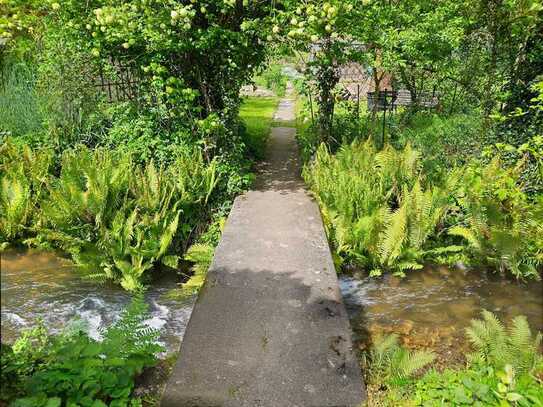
x: 384, y: 213
x: 23, y: 178
x: 73, y: 369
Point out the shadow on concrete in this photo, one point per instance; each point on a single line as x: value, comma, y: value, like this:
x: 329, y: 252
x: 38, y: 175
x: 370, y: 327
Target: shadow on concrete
x: 281, y: 171
x: 266, y: 338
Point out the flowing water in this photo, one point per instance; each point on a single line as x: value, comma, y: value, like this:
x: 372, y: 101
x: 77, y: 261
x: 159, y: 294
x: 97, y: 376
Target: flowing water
x: 427, y: 308
x: 40, y: 285
x: 432, y: 307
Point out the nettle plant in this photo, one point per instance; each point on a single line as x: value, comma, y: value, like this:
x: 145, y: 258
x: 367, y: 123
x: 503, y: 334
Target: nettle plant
x: 192, y: 56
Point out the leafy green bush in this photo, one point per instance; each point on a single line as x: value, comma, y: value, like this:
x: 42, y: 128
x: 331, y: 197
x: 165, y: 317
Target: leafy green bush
x: 23, y: 178
x: 384, y: 213
x: 499, y: 347
x: 73, y: 369
x: 499, y: 222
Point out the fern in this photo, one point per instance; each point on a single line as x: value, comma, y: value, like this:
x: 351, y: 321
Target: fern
x: 390, y: 362
x: 498, y: 346
x: 393, y: 236
x: 377, y: 210
x: 23, y: 176
x: 117, y: 220
x: 129, y: 335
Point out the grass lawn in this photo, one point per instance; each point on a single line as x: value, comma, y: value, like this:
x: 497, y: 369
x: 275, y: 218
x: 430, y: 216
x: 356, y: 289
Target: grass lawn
x: 257, y: 114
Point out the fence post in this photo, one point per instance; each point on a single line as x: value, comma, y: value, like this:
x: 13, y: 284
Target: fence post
x: 384, y: 116
x: 357, y: 110
x: 311, y: 108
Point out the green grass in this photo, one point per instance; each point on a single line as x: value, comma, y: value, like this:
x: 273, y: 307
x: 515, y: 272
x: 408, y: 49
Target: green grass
x: 257, y: 114
x: 19, y: 108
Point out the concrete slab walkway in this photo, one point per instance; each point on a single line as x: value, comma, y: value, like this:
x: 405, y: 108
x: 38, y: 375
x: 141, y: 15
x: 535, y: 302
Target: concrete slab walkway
x: 269, y: 328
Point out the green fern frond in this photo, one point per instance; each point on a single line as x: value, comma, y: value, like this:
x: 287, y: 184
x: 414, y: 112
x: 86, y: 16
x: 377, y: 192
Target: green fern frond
x: 393, y: 236
x: 411, y: 362
x: 499, y: 347
x: 467, y: 234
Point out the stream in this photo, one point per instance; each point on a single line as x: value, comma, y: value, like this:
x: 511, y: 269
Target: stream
x: 431, y: 308
x: 427, y: 308
x: 40, y: 285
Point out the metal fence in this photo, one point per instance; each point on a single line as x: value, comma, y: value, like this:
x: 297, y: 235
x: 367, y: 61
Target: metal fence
x: 120, y: 82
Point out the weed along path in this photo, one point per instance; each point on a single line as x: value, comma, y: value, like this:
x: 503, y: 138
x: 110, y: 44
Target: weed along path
x: 269, y: 328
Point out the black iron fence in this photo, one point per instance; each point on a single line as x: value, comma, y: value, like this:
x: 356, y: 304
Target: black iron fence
x: 121, y: 81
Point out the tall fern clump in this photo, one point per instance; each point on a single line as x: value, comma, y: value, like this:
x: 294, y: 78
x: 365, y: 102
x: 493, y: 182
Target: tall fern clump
x: 382, y: 213
x: 23, y: 178
x: 499, y: 346
x: 379, y: 210
x: 500, y: 224
x: 119, y: 220
x: 115, y: 218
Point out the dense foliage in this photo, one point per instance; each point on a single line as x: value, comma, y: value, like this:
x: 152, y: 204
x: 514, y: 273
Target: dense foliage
x: 384, y: 212
x: 72, y: 369
x: 119, y: 126
x: 476, y: 56
x: 505, y: 369
x: 116, y: 219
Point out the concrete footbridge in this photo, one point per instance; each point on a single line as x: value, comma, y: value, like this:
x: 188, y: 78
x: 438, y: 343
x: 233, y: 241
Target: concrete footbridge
x: 269, y: 328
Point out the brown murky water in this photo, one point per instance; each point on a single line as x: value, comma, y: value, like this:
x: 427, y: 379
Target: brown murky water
x: 432, y: 307
x: 429, y: 308
x: 40, y: 285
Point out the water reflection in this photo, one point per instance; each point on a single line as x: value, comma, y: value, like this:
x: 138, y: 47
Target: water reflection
x: 42, y: 285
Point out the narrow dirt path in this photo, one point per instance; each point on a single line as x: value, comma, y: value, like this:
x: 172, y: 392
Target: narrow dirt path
x: 269, y: 328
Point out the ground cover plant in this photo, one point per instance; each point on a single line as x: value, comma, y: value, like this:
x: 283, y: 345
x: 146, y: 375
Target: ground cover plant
x: 504, y: 369
x: 73, y: 369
